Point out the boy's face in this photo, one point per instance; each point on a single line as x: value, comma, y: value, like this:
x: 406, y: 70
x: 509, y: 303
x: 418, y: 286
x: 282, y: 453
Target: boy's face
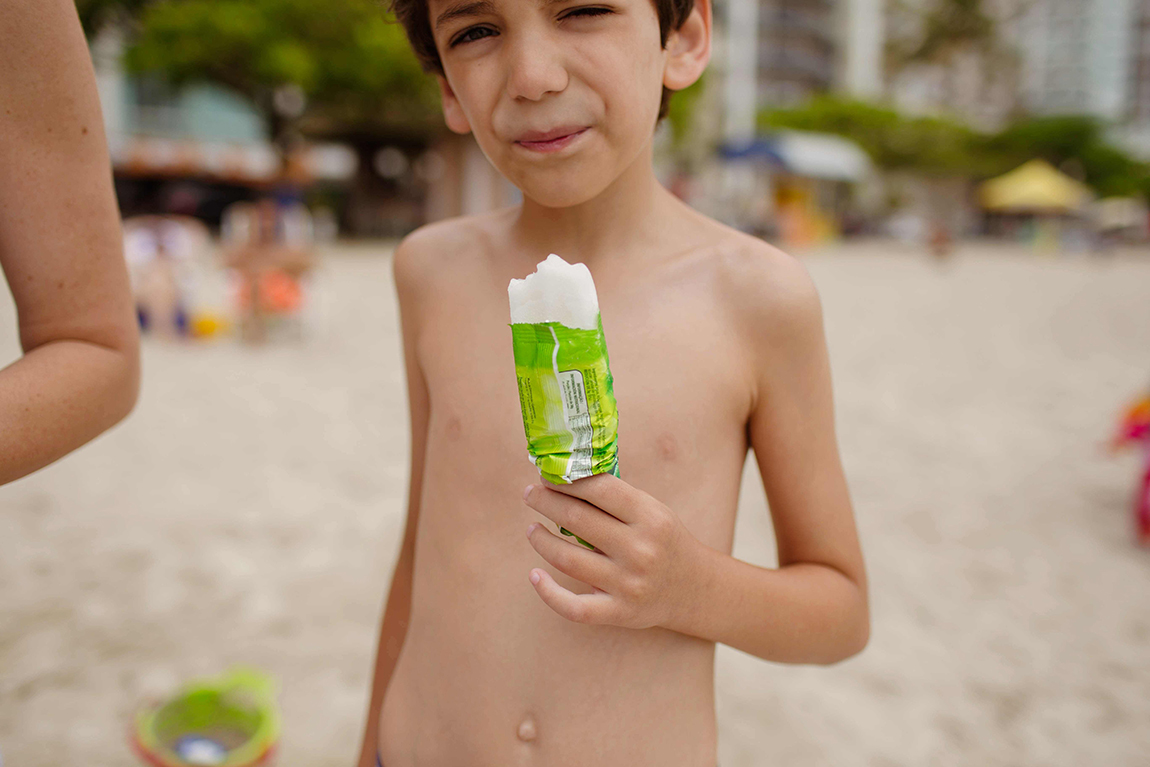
x: 562, y: 95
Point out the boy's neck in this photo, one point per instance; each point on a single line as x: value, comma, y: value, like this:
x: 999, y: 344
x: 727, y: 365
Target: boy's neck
x: 623, y: 217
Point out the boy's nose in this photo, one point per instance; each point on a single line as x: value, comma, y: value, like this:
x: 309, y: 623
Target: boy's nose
x: 534, y: 69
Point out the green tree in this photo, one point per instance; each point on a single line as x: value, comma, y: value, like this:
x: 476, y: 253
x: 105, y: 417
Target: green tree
x: 350, y: 62
x: 95, y: 14
x: 929, y: 145
x: 944, y: 148
x: 1075, y: 143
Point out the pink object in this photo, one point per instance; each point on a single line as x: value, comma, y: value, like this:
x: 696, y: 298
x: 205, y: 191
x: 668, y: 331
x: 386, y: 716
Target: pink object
x: 1142, y: 506
x: 1134, y: 429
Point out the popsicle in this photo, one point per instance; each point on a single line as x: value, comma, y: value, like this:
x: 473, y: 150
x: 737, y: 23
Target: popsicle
x: 566, y: 392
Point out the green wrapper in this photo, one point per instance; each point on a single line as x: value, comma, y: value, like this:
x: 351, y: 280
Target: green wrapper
x: 567, y: 397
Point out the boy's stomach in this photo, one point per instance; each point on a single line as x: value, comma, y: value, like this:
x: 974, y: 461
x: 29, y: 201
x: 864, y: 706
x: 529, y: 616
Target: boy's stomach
x: 491, y: 676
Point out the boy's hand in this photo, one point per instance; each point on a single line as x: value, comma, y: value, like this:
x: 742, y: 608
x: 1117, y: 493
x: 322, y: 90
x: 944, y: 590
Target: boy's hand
x: 642, y: 568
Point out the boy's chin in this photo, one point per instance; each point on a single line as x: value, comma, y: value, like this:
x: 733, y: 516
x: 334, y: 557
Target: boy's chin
x: 559, y: 193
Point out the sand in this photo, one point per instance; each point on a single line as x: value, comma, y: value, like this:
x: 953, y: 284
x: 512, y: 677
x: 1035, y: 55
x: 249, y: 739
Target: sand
x: 249, y: 511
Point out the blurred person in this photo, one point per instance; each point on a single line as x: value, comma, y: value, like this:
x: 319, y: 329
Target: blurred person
x: 158, y: 301
x: 60, y: 245
x: 164, y: 254
x: 270, y: 247
x: 940, y: 241
x: 496, y: 650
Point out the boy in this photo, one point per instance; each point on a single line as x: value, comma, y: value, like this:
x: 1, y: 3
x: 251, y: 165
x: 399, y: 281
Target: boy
x: 496, y: 650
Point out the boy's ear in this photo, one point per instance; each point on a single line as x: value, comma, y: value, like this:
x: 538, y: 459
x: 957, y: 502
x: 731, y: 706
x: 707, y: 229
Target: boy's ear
x: 689, y: 48
x: 452, y: 111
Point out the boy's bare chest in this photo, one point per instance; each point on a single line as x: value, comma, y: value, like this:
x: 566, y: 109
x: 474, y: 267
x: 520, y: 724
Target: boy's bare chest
x: 676, y: 367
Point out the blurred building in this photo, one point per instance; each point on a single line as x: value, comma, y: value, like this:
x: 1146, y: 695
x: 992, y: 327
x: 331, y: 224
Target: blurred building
x: 780, y: 52
x: 1090, y: 57
x: 1135, y: 132
x: 1078, y: 56
x: 974, y: 77
x: 798, y: 49
x: 863, y: 35
x: 1139, y: 82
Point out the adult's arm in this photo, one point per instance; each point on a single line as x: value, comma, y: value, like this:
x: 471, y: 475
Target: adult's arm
x: 61, y: 246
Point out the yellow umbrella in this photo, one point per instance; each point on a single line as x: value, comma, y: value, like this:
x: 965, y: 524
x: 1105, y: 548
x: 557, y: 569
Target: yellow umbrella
x: 1035, y: 186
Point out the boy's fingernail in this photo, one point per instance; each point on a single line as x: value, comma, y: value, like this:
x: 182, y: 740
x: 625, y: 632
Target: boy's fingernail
x: 531, y: 529
x: 534, y: 577
x: 527, y: 491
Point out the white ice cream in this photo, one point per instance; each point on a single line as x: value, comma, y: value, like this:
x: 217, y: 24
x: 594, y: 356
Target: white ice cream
x: 555, y: 292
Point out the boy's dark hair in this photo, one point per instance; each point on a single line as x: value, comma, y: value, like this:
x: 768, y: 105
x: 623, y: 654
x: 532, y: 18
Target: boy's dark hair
x: 413, y: 15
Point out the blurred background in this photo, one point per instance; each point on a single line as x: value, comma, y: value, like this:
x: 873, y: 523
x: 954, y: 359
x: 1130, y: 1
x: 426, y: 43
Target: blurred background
x: 967, y: 182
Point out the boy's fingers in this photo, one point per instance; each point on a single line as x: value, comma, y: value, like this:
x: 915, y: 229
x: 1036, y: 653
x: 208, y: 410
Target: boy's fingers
x: 585, y: 520
x: 579, y: 608
x: 572, y: 559
x: 604, y: 491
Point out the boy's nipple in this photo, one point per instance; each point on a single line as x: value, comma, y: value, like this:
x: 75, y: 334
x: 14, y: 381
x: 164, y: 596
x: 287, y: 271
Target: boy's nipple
x: 526, y: 730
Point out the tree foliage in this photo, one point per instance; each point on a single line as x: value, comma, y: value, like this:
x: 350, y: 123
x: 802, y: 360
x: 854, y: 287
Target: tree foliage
x: 350, y: 60
x: 942, y: 147
x: 931, y: 145
x: 94, y: 14
x: 1075, y: 142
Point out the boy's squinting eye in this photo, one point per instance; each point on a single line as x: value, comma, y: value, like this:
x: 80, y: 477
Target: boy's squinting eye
x: 585, y: 12
x: 471, y: 35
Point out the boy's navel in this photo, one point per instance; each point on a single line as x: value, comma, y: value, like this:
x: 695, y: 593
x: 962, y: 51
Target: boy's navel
x: 526, y: 731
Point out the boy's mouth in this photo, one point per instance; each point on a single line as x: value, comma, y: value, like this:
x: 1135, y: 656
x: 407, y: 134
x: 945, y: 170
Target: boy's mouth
x: 549, y: 141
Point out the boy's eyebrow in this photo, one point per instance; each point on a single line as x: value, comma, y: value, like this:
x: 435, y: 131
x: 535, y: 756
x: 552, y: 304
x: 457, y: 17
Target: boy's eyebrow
x: 460, y: 10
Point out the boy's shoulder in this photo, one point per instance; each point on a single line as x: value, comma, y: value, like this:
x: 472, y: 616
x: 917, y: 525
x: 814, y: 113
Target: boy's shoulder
x: 434, y: 249
x: 766, y: 288
x: 762, y: 285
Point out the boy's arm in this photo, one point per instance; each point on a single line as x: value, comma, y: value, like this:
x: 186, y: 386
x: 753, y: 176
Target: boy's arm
x: 650, y: 570
x: 60, y: 245
x: 813, y: 607
x: 398, y: 608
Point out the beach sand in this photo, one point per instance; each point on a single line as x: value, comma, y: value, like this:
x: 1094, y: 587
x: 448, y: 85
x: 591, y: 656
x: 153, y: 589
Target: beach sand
x: 250, y: 509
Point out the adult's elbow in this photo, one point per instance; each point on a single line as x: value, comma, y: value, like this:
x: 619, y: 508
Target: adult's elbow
x: 857, y: 635
x: 124, y: 387
x: 130, y: 382
x: 860, y: 636
x: 852, y: 637
x: 129, y: 386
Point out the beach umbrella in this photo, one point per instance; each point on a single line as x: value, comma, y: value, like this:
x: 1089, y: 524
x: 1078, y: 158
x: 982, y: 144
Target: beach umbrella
x: 1034, y: 187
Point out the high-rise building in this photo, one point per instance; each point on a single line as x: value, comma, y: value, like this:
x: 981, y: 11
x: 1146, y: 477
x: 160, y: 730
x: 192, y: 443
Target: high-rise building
x: 798, y: 49
x: 784, y: 51
x: 1138, y: 85
x: 863, y: 37
x: 1077, y: 57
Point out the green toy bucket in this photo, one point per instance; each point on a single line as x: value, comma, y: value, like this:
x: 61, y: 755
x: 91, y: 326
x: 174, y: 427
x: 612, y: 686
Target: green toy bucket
x: 228, y: 721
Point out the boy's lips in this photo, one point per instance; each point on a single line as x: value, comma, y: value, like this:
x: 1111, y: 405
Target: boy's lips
x: 550, y: 141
